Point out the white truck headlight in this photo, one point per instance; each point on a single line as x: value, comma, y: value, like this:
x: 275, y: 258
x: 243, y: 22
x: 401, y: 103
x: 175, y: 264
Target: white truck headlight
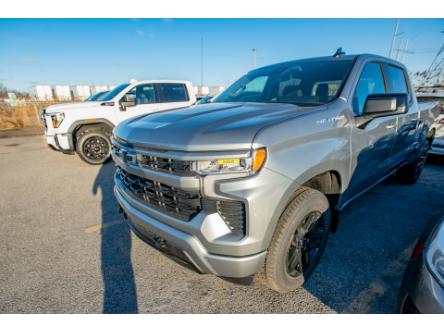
x: 251, y: 164
x: 434, y: 253
x: 57, y: 119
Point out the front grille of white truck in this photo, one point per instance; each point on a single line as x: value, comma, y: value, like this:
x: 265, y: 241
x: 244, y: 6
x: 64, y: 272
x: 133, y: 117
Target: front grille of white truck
x: 181, y: 204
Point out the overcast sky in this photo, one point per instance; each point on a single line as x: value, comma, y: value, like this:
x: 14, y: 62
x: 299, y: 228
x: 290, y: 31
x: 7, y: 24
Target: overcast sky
x: 110, y: 51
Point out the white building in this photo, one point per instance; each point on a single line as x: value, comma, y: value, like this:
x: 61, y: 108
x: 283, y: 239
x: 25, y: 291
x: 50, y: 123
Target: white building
x: 61, y: 92
x: 43, y: 93
x: 80, y: 92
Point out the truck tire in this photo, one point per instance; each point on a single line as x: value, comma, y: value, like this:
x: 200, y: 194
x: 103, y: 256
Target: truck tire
x: 409, y: 173
x: 298, y: 241
x: 93, y: 145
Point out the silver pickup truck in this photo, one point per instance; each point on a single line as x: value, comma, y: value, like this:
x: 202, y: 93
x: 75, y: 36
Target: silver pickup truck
x: 254, y: 181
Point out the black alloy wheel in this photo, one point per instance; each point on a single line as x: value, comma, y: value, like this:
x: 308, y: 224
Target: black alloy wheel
x: 306, y: 245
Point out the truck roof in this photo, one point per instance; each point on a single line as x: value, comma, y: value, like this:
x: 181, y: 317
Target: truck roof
x: 352, y: 57
x: 159, y: 81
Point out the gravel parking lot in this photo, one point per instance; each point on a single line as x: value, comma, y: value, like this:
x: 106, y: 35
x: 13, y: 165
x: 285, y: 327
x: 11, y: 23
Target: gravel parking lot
x: 65, y: 249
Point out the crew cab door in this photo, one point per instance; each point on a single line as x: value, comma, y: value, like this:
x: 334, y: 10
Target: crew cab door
x: 172, y: 95
x: 144, y: 100
x: 371, y: 144
x: 153, y: 97
x: 404, y: 145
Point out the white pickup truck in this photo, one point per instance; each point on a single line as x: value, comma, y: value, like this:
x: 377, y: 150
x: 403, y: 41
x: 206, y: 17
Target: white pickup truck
x: 86, y: 127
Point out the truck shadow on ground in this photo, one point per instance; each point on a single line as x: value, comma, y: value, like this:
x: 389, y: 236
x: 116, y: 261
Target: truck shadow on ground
x: 120, y: 294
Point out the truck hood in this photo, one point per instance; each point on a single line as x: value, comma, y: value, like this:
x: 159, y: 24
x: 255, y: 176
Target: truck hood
x: 70, y: 106
x: 207, y: 127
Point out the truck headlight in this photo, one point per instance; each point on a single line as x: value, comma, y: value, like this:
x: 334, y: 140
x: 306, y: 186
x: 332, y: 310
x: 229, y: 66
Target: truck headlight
x: 251, y: 164
x: 434, y: 254
x: 57, y: 119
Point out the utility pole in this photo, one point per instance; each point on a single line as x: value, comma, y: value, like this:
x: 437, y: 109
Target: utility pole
x: 405, y: 50
x: 398, y: 51
x: 254, y: 57
x: 201, y: 62
x: 393, y: 38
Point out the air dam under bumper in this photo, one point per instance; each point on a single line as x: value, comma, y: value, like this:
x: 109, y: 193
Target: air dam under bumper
x: 191, y: 247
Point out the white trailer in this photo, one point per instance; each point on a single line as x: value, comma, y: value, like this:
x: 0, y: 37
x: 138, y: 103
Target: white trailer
x: 43, y: 93
x: 213, y: 91
x: 62, y: 93
x: 202, y: 91
x: 80, y: 92
x: 97, y: 89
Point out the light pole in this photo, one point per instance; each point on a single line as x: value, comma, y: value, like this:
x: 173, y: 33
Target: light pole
x: 395, y: 33
x: 254, y: 57
x: 201, y: 62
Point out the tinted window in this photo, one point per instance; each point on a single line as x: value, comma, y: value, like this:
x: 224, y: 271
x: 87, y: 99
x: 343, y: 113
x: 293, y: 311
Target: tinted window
x: 173, y: 92
x: 296, y: 82
x: 95, y: 97
x: 145, y: 94
x: 395, y: 80
x: 370, y: 82
x: 113, y: 93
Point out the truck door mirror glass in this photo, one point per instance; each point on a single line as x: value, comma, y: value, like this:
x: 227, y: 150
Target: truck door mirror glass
x: 385, y: 104
x: 381, y: 105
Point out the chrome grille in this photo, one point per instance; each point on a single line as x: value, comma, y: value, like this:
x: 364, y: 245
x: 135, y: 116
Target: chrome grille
x: 180, y: 168
x: 182, y: 204
x: 151, y: 162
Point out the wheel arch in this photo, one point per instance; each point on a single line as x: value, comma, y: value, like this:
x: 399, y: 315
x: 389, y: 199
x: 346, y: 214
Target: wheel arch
x: 77, y: 125
x: 329, y: 182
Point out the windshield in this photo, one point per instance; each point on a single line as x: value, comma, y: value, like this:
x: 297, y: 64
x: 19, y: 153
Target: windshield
x: 95, y: 96
x: 298, y: 82
x: 113, y: 93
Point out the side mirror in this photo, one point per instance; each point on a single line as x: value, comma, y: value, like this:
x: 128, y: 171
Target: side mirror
x: 381, y: 105
x: 127, y: 101
x: 385, y: 104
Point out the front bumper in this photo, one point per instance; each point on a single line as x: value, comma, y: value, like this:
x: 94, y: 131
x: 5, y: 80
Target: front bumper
x: 60, y: 142
x: 423, y: 290
x: 192, y: 250
x: 205, y: 239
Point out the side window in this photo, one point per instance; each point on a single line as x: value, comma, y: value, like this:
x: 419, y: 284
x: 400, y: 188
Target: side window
x: 173, y: 92
x: 396, y: 80
x: 145, y: 94
x: 370, y: 82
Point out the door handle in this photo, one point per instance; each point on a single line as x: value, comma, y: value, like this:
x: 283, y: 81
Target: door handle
x: 390, y: 126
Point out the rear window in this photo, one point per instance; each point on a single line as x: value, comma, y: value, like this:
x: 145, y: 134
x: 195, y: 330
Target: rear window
x: 396, y: 83
x: 173, y: 92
